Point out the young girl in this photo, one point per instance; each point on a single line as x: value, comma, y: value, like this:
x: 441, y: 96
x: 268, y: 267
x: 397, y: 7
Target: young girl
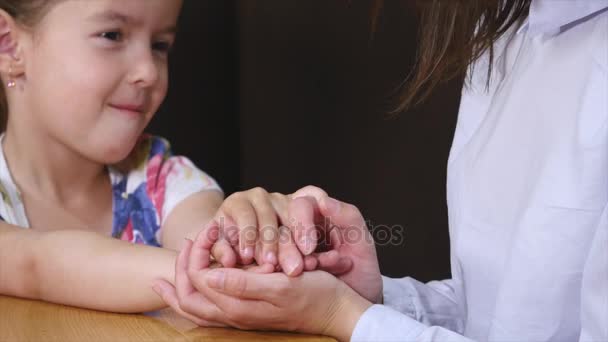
x: 527, y: 197
x: 86, y: 198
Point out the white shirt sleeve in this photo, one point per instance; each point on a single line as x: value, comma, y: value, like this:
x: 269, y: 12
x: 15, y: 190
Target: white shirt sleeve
x: 435, y: 303
x: 381, y: 323
x: 413, y: 311
x: 594, y: 290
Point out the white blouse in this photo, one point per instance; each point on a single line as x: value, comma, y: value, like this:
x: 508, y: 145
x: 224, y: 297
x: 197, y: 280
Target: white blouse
x: 527, y: 195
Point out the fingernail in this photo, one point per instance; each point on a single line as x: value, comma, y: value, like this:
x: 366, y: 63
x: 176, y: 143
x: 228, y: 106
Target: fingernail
x: 248, y: 253
x: 290, y: 266
x: 215, y: 279
x: 271, y: 258
x: 184, y: 242
x: 332, y: 205
x: 308, y: 243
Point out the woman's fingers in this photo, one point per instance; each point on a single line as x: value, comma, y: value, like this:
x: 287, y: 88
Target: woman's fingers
x: 303, y: 212
x: 167, y: 293
x: 193, y: 262
x: 260, y: 269
x: 185, y: 298
x: 182, y: 282
x: 310, y: 191
x: 310, y: 263
x: 244, y: 284
x: 341, y: 215
x: 199, y: 252
x: 332, y: 262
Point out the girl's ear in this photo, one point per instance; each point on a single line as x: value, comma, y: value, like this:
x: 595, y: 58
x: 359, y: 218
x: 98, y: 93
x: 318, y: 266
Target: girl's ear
x: 10, y: 58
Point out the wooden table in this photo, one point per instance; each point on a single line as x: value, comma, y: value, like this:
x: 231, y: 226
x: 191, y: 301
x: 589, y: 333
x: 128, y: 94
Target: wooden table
x: 25, y: 320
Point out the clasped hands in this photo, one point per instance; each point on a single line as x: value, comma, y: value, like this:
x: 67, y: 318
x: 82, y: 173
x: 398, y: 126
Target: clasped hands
x: 302, y: 262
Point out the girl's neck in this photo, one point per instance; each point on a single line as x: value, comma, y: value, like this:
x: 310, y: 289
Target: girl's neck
x: 44, y: 167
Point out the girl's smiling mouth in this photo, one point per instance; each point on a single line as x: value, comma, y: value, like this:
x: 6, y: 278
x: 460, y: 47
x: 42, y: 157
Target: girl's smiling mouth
x: 130, y: 108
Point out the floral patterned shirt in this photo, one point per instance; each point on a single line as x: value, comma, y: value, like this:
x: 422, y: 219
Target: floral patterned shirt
x: 146, y: 187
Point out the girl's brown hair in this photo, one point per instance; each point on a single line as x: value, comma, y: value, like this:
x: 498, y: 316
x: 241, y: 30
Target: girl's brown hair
x: 452, y: 35
x: 26, y: 13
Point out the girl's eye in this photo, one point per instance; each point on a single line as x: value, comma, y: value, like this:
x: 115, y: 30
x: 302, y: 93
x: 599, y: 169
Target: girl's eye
x: 164, y: 47
x: 112, y: 35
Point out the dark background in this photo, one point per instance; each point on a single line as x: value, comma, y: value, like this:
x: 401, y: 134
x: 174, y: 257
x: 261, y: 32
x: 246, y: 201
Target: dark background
x: 286, y: 93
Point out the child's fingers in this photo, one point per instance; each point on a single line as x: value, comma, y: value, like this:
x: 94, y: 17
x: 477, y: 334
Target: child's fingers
x: 268, y: 228
x: 224, y: 253
x: 243, y: 213
x: 290, y: 257
x: 228, y: 229
x: 280, y: 204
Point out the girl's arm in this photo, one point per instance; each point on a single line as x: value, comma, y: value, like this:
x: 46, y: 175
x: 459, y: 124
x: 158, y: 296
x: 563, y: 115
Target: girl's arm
x: 83, y: 269
x: 190, y: 217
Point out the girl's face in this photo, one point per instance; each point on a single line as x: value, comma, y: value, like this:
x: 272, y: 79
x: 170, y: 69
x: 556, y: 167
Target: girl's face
x: 96, y: 72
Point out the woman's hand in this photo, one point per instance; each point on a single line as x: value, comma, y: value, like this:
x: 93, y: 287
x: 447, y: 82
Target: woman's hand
x: 184, y: 298
x: 316, y: 302
x: 352, y: 253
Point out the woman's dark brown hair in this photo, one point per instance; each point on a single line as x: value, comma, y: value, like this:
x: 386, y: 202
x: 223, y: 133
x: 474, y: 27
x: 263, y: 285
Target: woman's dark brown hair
x: 26, y: 13
x: 452, y: 35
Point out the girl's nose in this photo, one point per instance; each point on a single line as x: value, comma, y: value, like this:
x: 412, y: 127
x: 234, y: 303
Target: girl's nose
x: 145, y: 69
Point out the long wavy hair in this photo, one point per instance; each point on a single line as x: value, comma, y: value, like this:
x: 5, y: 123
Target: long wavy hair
x: 452, y: 35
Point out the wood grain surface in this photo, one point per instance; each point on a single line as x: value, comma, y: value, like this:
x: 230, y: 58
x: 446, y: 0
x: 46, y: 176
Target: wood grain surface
x: 26, y: 320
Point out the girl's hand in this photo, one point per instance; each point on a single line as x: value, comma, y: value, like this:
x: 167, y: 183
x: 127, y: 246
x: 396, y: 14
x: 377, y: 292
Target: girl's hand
x: 253, y: 228
x: 315, y: 302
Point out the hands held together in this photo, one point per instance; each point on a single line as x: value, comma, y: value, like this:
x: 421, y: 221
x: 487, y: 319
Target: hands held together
x: 303, y: 262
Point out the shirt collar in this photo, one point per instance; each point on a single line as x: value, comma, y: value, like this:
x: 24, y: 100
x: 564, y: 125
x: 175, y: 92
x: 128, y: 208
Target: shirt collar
x: 549, y: 16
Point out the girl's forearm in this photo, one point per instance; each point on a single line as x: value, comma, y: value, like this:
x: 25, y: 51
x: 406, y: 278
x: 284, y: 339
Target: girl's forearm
x: 88, y: 270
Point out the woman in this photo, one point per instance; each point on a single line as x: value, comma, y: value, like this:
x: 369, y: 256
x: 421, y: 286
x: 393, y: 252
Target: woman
x: 527, y: 197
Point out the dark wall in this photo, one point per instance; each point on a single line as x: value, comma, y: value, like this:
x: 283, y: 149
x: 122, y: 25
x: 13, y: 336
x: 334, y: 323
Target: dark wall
x: 200, y: 114
x: 314, y: 93
x: 285, y: 93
